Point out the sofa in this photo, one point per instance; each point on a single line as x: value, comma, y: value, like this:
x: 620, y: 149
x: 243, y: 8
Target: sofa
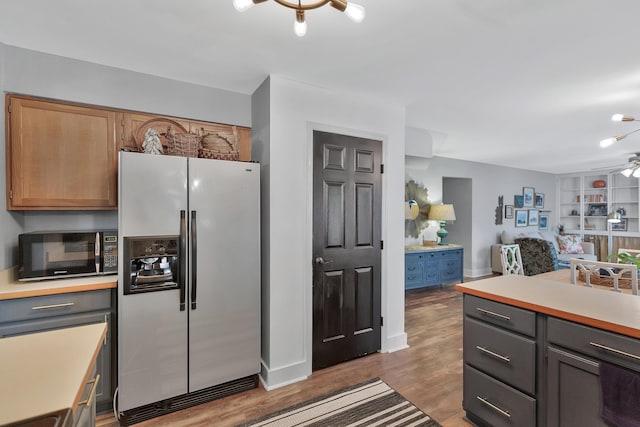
x: 508, y: 237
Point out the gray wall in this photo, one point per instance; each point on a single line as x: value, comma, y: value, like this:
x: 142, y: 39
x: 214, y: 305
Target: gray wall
x: 260, y: 148
x: 489, y: 182
x: 33, y: 73
x: 11, y: 223
x: 459, y: 193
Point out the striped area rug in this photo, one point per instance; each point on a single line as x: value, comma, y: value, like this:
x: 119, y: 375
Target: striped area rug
x: 369, y: 404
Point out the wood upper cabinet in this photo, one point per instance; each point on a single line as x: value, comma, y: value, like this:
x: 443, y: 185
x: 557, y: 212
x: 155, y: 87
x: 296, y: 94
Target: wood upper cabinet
x: 132, y: 136
x: 244, y: 135
x: 131, y: 122
x: 63, y: 156
x: 60, y: 155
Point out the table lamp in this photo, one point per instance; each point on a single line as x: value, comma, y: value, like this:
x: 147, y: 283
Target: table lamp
x: 442, y: 213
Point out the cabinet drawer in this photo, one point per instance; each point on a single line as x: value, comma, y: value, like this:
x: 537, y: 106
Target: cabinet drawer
x: 595, y: 342
x: 495, y: 403
x: 431, y: 273
x: 509, y: 357
x: 413, y: 270
x: 503, y: 315
x: 450, y: 270
x: 413, y: 258
x: 452, y: 254
x: 54, y: 305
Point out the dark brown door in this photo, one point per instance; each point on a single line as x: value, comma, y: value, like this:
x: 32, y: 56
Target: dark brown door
x: 347, y: 195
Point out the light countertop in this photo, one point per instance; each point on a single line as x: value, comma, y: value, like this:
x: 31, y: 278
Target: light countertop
x: 11, y: 288
x: 46, y: 372
x: 417, y: 248
x: 611, y: 311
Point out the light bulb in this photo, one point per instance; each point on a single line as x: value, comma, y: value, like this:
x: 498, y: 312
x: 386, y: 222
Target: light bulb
x: 627, y: 172
x: 617, y: 117
x: 242, y: 5
x: 636, y: 173
x: 607, y: 142
x: 355, y: 12
x: 300, y: 25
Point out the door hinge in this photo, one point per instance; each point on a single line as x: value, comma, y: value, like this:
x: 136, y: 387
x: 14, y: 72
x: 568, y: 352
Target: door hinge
x: 381, y: 244
x: 11, y: 194
x: 381, y: 168
x: 9, y: 108
x: 381, y: 321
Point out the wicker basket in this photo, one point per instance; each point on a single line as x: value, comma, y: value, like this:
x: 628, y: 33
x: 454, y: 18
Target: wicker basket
x: 219, y: 145
x: 596, y: 278
x: 182, y: 144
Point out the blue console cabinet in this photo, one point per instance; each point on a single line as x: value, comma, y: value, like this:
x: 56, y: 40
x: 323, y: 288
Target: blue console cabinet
x: 433, y: 266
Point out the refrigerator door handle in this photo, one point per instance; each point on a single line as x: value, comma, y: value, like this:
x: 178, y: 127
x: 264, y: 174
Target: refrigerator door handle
x: 194, y: 260
x: 182, y: 250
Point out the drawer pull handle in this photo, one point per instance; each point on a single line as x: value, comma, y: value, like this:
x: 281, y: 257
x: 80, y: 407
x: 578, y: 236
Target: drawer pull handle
x: 92, y: 393
x: 491, y: 313
x: 496, y: 355
x: 494, y: 407
x: 613, y: 350
x: 46, y: 307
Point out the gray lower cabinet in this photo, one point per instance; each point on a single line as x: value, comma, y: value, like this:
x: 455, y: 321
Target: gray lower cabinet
x: 37, y: 314
x: 523, y: 368
x: 575, y: 353
x: 573, y: 386
x: 433, y: 267
x: 85, y: 415
x: 500, y: 354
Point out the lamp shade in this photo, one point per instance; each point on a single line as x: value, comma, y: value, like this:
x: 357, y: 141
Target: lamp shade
x: 442, y: 213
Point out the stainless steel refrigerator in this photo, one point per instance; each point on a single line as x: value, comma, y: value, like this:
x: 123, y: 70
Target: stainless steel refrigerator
x: 189, y: 338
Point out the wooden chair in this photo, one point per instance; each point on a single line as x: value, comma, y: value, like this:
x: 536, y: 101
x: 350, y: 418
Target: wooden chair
x: 511, y: 260
x: 614, y: 272
x: 632, y: 252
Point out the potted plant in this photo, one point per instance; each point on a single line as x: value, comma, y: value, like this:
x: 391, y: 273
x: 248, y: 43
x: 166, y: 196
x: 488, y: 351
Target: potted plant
x: 625, y: 258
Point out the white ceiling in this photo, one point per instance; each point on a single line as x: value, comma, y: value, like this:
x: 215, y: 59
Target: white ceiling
x: 524, y: 83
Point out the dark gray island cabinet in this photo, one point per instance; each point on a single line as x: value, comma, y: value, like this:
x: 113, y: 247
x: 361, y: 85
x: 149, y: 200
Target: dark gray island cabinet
x: 533, y: 349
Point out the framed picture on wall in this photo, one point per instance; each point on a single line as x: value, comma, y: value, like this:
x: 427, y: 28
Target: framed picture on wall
x: 543, y: 222
x: 528, y: 197
x: 508, y: 211
x: 517, y: 201
x: 539, y: 201
x: 533, y: 217
x: 521, y: 217
x: 619, y: 226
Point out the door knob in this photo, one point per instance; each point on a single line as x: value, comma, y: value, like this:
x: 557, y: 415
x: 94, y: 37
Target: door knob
x: 322, y: 261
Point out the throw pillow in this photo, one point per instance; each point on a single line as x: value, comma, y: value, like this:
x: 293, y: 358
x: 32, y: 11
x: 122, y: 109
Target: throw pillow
x: 537, y: 255
x: 570, y: 244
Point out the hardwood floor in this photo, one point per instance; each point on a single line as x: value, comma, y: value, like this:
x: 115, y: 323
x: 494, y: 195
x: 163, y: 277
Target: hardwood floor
x: 428, y: 373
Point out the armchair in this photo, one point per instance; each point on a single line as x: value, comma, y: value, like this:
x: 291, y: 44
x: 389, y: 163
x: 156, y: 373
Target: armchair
x: 509, y: 236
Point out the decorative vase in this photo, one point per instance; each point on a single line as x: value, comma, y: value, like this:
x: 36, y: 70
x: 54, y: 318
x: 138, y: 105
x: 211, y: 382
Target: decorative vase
x: 600, y: 183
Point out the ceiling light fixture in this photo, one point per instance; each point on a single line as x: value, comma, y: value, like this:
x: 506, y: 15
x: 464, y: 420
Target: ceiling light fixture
x: 619, y: 118
x: 354, y: 11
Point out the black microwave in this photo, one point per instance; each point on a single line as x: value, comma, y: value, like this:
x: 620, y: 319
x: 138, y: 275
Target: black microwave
x: 60, y: 254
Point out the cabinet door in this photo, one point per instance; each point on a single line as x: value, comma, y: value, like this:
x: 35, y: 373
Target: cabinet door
x: 60, y: 156
x: 103, y: 362
x: 414, y: 271
x: 573, y: 390
x: 243, y: 135
x: 131, y: 122
x: 450, y: 266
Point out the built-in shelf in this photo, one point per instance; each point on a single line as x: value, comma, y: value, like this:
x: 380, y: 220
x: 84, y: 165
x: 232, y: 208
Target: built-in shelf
x: 577, y: 197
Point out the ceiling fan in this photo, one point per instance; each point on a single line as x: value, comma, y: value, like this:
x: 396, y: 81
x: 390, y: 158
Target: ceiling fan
x: 631, y: 168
